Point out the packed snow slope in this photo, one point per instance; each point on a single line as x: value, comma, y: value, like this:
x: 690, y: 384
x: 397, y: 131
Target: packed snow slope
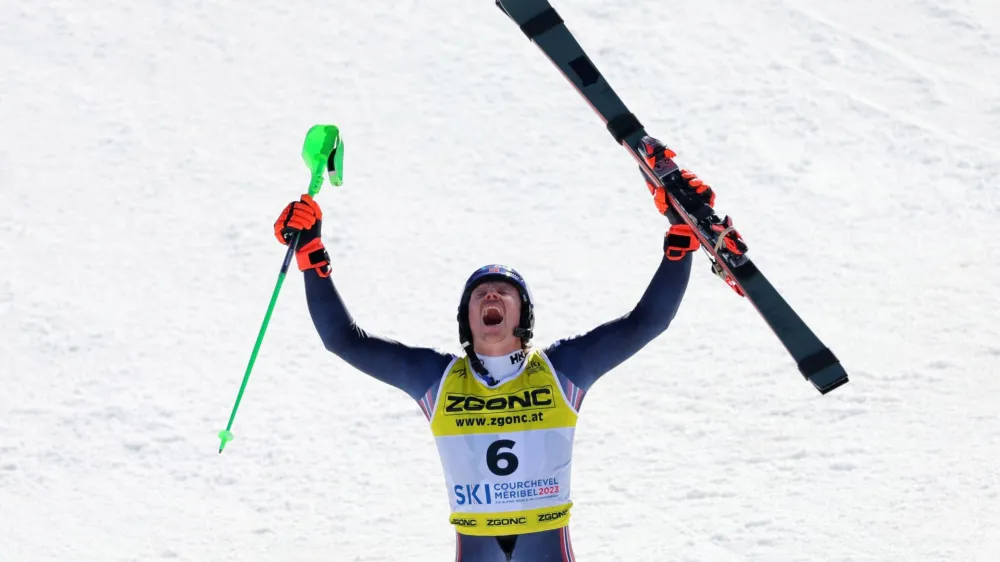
x: 146, y: 148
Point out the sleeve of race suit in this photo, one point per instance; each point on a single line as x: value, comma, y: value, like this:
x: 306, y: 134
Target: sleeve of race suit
x: 413, y: 370
x: 584, y: 358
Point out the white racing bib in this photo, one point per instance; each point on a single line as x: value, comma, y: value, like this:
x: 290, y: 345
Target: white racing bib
x: 506, y: 451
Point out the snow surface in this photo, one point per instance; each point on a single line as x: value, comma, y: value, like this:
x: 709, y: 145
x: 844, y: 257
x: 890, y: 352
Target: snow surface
x: 146, y: 148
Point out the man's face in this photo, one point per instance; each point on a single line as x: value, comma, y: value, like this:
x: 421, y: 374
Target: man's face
x: 494, y: 312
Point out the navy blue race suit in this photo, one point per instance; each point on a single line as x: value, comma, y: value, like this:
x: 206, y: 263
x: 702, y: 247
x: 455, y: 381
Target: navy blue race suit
x: 581, y: 359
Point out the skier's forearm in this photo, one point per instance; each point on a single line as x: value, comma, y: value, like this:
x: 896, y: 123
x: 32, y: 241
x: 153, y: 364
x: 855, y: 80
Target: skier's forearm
x: 659, y: 304
x: 410, y: 369
x: 583, y: 359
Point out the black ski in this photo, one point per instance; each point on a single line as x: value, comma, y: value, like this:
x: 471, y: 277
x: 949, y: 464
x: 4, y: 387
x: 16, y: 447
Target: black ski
x: 543, y: 25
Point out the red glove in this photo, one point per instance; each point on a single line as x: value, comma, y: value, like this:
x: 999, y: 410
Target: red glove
x: 304, y: 217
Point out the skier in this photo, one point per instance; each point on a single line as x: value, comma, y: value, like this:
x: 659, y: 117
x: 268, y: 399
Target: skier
x: 503, y: 413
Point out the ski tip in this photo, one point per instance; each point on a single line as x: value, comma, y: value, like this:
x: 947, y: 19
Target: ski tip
x: 823, y: 370
x: 839, y: 383
x: 834, y: 378
x: 504, y: 10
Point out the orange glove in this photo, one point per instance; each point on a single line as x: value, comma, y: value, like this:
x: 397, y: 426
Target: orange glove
x: 305, y: 218
x: 660, y: 160
x: 679, y: 241
x: 702, y: 189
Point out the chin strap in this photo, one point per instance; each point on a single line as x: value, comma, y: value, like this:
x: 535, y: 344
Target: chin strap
x: 477, y: 364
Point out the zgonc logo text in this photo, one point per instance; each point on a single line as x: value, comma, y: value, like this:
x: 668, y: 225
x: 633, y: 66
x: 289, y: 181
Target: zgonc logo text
x: 504, y: 521
x: 527, y: 400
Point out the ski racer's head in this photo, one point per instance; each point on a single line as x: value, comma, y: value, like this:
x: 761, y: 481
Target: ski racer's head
x: 494, y: 310
x: 495, y: 313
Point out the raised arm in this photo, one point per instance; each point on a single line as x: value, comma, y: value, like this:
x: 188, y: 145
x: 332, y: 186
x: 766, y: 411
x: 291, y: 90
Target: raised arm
x: 584, y: 358
x: 411, y: 369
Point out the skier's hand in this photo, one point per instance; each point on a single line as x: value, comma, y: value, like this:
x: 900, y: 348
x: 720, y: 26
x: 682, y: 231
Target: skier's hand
x: 679, y: 242
x: 702, y: 189
x: 304, y: 216
x: 660, y: 160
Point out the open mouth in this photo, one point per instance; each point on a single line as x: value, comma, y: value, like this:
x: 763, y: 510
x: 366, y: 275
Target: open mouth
x: 492, y: 315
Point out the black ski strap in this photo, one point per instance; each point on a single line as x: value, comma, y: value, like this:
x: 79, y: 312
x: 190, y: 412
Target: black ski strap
x: 624, y: 125
x: 541, y: 23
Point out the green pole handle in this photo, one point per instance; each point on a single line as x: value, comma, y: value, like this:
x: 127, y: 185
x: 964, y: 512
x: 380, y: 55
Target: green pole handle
x: 322, y: 150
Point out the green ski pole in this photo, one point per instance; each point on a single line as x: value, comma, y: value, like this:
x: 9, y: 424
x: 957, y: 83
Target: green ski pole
x: 322, y: 150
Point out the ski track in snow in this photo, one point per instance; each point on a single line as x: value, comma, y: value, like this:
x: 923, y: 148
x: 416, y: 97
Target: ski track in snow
x: 147, y: 148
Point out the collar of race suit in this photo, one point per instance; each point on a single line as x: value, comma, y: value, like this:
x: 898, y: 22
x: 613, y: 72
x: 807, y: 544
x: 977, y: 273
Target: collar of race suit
x: 503, y: 367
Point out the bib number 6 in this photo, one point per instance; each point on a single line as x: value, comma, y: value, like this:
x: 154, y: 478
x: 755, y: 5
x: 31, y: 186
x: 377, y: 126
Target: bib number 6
x: 494, y: 456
